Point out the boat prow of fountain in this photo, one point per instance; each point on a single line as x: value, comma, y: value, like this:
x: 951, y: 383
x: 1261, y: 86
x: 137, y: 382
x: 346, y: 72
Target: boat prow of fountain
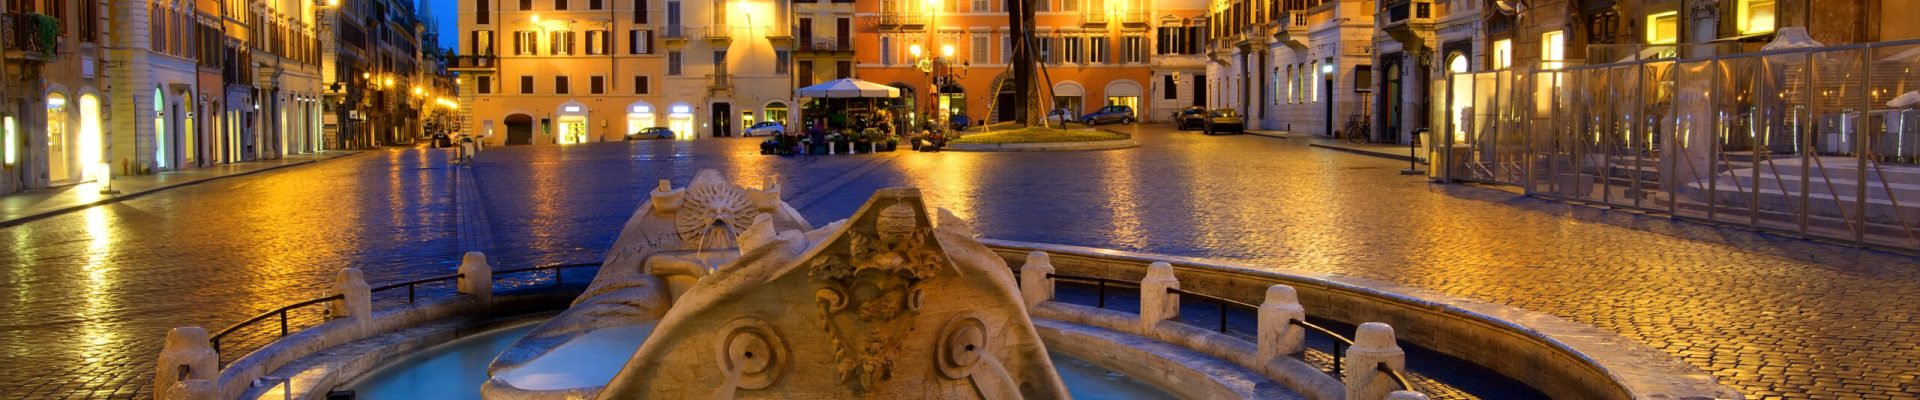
x: 896, y: 307
x: 670, y: 242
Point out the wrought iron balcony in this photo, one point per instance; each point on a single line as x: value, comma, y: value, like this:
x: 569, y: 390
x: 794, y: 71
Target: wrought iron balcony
x: 826, y: 45
x: 719, y: 81
x: 895, y: 19
x: 29, y: 36
x: 1136, y: 18
x: 677, y: 33
x: 720, y: 34
x: 1091, y: 18
x: 473, y: 63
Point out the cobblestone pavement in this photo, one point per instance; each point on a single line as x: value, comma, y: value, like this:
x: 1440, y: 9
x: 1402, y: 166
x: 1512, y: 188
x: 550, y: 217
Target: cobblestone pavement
x: 1771, y: 316
x: 89, y: 296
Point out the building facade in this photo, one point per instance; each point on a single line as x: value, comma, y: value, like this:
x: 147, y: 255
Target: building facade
x: 1301, y: 66
x: 574, y: 71
x: 1094, y: 53
x: 52, y: 93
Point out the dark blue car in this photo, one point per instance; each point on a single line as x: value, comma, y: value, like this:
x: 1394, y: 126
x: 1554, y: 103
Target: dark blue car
x: 1110, y: 114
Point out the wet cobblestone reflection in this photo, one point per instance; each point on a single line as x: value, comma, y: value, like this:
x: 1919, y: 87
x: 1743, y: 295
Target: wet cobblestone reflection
x: 89, y: 295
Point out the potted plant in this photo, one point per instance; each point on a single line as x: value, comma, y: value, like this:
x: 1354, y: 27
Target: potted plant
x: 842, y: 142
x: 869, y: 137
x: 893, y: 143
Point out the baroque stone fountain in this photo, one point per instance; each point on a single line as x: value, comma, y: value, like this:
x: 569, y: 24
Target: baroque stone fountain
x: 729, y: 292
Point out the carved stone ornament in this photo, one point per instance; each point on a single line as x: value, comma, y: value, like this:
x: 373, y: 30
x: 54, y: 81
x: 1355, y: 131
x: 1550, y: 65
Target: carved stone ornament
x: 868, y: 293
x: 752, y: 356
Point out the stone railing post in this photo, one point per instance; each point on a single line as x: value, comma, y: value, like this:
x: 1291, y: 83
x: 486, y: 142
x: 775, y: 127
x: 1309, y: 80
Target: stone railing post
x: 1373, y: 345
x: 1035, y: 286
x: 356, y: 298
x: 476, y: 277
x: 1155, y: 303
x: 1279, y: 337
x: 186, y: 356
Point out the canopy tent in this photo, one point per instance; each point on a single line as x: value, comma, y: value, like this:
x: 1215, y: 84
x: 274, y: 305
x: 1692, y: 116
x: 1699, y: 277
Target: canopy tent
x: 848, y: 88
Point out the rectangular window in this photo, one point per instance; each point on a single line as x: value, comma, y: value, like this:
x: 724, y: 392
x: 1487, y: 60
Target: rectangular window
x: 482, y: 14
x: 673, y: 63
x: 1043, y: 5
x: 526, y: 84
x: 1136, y: 49
x: 1754, y: 16
x: 639, y: 11
x: 594, y: 4
x: 1172, y: 90
x: 1069, y: 5
x: 560, y: 85
x: 1502, y: 53
x: 805, y: 73
x: 1553, y: 49
x: 1044, y: 49
x: 640, y: 84
x: 981, y: 6
x: 560, y: 5
x: 597, y: 42
x: 886, y: 51
x: 982, y: 49
x: 1663, y: 28
x: 843, y: 69
x: 526, y: 43
x: 526, y: 5
x: 719, y: 58
x: 782, y: 62
x: 597, y: 85
x: 483, y: 84
x: 633, y: 41
x: 482, y: 43
x: 1097, y: 50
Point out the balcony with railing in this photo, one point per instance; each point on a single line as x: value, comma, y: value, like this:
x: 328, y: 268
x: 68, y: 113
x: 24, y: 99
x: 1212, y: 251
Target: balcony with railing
x: 29, y: 36
x: 825, y: 45
x: 1409, y: 22
x: 896, y: 19
x: 1093, y: 17
x: 473, y: 63
x: 677, y: 34
x: 1291, y: 29
x: 719, y: 82
x: 719, y: 34
x: 1135, y: 18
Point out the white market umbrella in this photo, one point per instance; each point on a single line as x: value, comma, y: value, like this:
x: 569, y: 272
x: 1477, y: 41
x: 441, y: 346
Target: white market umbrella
x: 848, y: 88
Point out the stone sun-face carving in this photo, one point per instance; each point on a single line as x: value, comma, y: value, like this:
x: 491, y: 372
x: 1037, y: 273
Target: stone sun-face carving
x: 712, y: 211
x: 868, y: 293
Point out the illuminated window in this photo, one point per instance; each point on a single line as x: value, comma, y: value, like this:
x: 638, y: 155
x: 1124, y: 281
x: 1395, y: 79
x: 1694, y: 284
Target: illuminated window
x: 1502, y: 54
x: 1754, y: 16
x: 1553, y: 49
x: 1663, y: 28
x: 13, y: 152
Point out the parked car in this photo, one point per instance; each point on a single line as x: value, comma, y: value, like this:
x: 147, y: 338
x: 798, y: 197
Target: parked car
x: 767, y: 128
x: 1225, y: 120
x: 651, y: 133
x: 1109, y: 114
x: 1190, y: 118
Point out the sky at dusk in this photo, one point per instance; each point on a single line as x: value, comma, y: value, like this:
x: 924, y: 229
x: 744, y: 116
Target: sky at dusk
x: 443, y: 12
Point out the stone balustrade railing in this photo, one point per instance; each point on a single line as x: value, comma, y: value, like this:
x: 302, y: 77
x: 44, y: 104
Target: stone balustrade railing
x: 189, y: 365
x: 1375, y: 363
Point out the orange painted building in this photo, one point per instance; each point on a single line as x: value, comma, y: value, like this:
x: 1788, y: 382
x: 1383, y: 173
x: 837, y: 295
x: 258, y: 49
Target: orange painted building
x: 1096, y: 53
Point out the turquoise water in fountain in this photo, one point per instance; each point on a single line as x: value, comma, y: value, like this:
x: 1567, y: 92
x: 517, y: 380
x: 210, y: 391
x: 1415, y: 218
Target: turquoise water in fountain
x: 455, y: 370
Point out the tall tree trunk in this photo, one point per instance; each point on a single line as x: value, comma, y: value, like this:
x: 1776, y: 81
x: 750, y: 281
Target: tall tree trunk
x: 1027, y: 107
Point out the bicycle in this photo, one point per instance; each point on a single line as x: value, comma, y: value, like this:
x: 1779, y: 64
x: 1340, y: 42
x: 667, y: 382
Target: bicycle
x: 1357, y: 129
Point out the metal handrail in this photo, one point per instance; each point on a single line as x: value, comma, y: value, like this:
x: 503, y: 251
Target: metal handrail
x: 558, y: 278
x: 1395, y: 375
x: 1222, y: 302
x: 411, y: 284
x: 1340, y: 343
x: 1098, y: 281
x: 282, y: 311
